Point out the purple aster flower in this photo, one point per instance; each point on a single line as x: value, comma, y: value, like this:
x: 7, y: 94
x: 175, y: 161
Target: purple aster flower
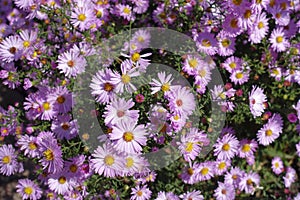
x: 129, y: 137
x: 28, y: 189
x: 166, y: 195
x: 246, y: 16
x: 247, y: 148
x: 259, y: 29
x: 142, y: 37
x: 135, y: 164
x: 74, y: 166
x: 231, y: 25
x: 249, y: 182
x: 106, y: 161
x: 140, y: 193
x: 28, y: 38
x: 206, y: 42
x: 195, y: 195
x: 290, y: 177
x: 125, y: 11
x: 164, y: 84
x: 226, y: 44
x: 277, y: 165
x: 102, y: 88
x: 221, y: 166
x: 278, y: 41
x: 205, y: 171
x: 81, y: 16
x: 281, y: 16
x: 11, y: 49
x: 71, y: 63
x: 226, y: 147
x: 28, y: 144
x: 232, y: 64
x: 224, y: 191
x: 189, y: 173
x: 51, y: 152
x: 8, y: 160
x: 258, y: 6
x: 64, y: 127
x: 137, y: 61
x: 191, y: 143
x: 191, y: 63
x: 270, y: 131
x: 124, y: 81
x: 61, y: 98
x: 234, y: 176
x: 182, y: 101
x: 61, y: 182
x: 239, y: 77
x: 257, y: 98
x: 203, y: 74
x: 118, y: 111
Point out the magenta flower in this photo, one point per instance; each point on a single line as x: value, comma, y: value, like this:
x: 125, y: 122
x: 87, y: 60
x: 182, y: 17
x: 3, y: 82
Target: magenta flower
x: 224, y: 191
x: 249, y: 182
x: 140, y: 193
x: 71, y: 63
x: 257, y: 98
x: 277, y: 165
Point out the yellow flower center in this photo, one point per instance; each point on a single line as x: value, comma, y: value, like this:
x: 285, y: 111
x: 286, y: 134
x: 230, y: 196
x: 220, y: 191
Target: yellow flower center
x: 28, y: 190
x: 260, y: 25
x: 237, y: 2
x: 62, y: 180
x: 141, y: 39
x: 61, y: 99
x: 222, y: 95
x: 189, y: 147
x: 279, y: 39
x: 135, y: 57
x: 99, y: 14
x: 73, y: 168
x: 283, y: 6
x: 249, y: 182
x: 277, y: 15
x: 109, y: 160
x: 233, y: 23
x: 129, y: 162
x: 139, y: 193
x: 206, y: 43
x: 126, y: 11
x: 165, y: 87
x: 275, y: 71
x: 226, y: 147
x: 46, y: 106
x: 6, y: 159
x: 70, y: 63
x: 276, y: 165
x: 225, y: 43
x: 258, y: 1
x: 202, y: 72
x: 108, y: 87
x: 32, y: 146
x: 246, y: 148
x: 81, y: 17
x: 247, y: 14
x: 204, y: 171
x: 13, y: 50
x: 193, y: 63
x: 176, y: 117
x: 239, y: 75
x: 190, y: 171
x: 48, y: 154
x: 128, y: 136
x: 232, y: 65
x: 26, y: 44
x: 65, y: 126
x: 222, y: 165
x: 125, y: 78
x: 269, y: 132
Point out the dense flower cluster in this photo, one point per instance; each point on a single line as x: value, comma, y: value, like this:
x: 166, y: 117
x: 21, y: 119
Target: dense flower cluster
x: 45, y: 46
